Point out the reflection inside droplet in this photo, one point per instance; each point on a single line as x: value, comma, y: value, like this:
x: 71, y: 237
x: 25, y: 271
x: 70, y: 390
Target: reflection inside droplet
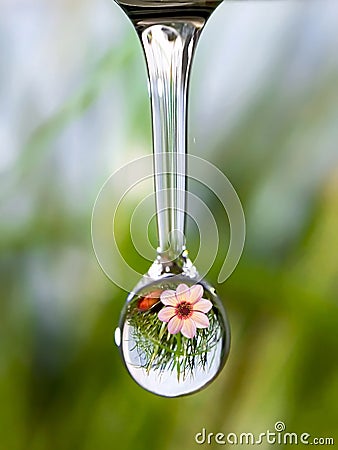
x: 162, y: 359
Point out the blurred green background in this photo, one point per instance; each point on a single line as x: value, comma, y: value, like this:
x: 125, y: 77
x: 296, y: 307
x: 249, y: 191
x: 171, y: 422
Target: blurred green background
x: 73, y: 109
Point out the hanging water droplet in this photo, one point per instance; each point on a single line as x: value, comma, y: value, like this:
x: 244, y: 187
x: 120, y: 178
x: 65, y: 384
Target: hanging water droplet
x: 175, y: 335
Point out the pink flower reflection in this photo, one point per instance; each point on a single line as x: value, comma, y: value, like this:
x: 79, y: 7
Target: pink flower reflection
x: 185, y: 310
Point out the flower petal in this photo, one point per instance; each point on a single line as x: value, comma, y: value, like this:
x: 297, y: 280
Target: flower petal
x: 200, y: 319
x: 175, y: 324
x: 166, y: 313
x: 203, y: 305
x: 168, y: 297
x: 189, y: 328
x: 183, y: 293
x: 196, y: 293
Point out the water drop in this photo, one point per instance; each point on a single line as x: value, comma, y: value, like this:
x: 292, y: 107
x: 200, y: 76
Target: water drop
x: 170, y: 364
x: 173, y: 334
